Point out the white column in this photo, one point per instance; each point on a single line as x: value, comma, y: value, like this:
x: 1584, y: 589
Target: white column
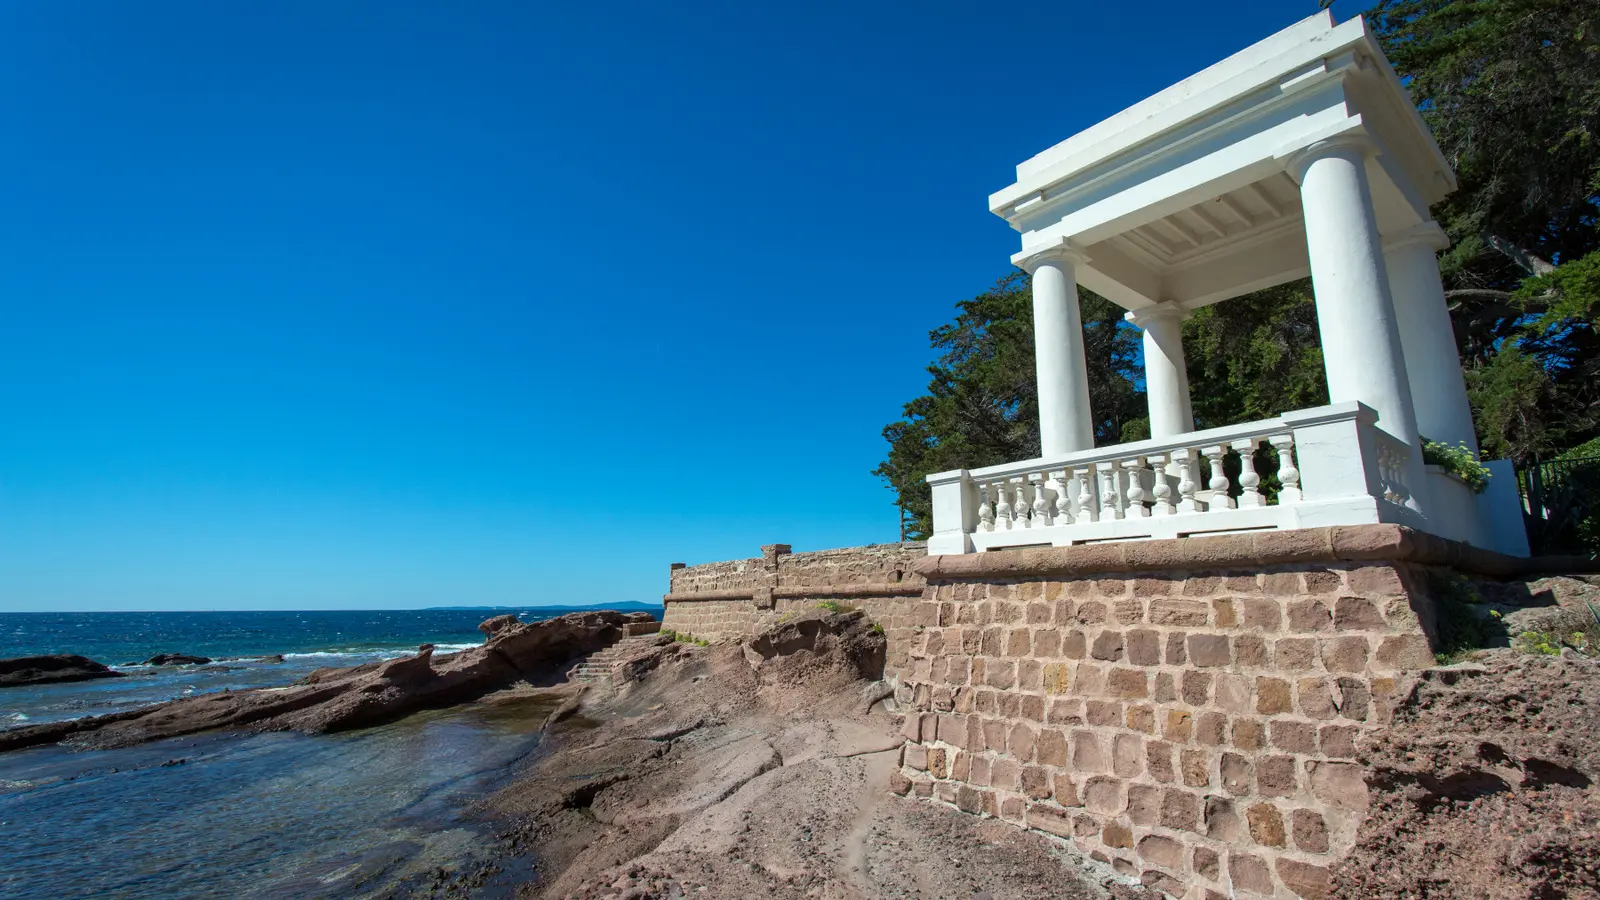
x: 1355, y: 313
x: 1166, y: 378
x: 1438, y: 389
x: 1065, y: 421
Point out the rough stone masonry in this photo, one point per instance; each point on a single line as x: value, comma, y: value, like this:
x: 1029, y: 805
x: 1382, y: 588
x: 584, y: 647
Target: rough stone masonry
x: 1185, y: 711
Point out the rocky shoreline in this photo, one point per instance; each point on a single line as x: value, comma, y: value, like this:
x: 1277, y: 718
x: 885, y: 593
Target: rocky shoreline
x: 343, y: 698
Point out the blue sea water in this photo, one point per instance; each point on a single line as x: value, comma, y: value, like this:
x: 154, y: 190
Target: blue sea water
x: 358, y: 814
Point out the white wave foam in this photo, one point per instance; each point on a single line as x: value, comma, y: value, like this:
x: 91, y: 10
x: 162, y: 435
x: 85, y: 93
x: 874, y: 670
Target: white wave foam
x: 17, y: 717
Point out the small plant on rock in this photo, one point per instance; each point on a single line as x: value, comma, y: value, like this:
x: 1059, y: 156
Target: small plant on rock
x: 835, y: 606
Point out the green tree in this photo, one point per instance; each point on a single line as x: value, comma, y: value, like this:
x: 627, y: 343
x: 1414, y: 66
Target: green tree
x: 982, y: 405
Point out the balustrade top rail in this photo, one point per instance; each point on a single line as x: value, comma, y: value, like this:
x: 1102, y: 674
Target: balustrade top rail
x: 1224, y: 436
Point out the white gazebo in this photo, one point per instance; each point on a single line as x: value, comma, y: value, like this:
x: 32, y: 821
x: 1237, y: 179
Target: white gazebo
x: 1301, y: 155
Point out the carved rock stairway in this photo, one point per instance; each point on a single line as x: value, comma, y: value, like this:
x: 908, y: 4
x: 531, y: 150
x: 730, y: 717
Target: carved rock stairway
x: 599, y: 667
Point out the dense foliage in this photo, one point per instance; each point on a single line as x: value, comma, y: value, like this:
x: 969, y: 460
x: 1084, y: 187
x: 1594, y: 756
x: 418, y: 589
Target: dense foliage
x: 1511, y: 89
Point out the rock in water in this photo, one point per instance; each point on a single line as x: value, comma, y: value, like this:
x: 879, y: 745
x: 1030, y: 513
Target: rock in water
x: 48, y: 669
x: 176, y: 659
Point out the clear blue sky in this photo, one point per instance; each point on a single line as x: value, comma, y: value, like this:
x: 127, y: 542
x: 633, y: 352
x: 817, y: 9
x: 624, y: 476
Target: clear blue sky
x: 336, y: 305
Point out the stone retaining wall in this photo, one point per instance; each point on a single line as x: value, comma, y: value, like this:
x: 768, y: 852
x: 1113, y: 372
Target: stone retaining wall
x: 1191, y: 724
x: 739, y: 598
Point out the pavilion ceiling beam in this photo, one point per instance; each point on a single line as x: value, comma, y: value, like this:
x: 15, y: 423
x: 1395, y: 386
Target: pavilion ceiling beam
x: 1262, y: 198
x: 1235, y: 210
x: 1208, y: 221
x: 1172, y: 225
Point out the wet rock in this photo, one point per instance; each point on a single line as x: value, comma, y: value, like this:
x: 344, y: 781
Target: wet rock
x: 51, y: 669
x: 176, y: 659
x: 355, y: 697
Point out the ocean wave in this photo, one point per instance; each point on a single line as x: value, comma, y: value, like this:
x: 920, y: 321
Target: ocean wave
x: 17, y: 717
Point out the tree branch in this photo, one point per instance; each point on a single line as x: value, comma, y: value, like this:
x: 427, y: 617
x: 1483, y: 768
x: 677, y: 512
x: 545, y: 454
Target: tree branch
x: 1525, y: 260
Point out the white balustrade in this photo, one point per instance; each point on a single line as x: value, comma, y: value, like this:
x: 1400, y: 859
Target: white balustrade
x: 1333, y: 466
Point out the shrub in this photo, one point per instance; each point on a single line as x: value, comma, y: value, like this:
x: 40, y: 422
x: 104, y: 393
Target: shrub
x: 1458, y: 461
x: 835, y: 606
x: 1461, y: 629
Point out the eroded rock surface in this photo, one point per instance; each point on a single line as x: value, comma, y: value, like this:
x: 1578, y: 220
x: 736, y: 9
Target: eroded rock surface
x: 1484, y: 786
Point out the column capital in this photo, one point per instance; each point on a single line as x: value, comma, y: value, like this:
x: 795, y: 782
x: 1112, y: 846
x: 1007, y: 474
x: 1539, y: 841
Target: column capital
x: 1168, y: 312
x: 1296, y: 163
x: 1057, y: 250
x: 1426, y: 233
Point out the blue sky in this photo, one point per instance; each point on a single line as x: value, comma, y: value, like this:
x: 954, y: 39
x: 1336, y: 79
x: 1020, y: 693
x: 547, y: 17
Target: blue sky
x: 337, y: 305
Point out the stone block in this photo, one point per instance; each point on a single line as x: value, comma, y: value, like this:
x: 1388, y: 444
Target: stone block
x: 1223, y: 613
x: 1273, y: 696
x: 1266, y: 825
x: 1178, y: 726
x: 1382, y: 581
x: 1128, y: 611
x: 1294, y: 654
x: 1309, y: 615
x: 1056, y: 678
x: 1309, y: 830
x: 1209, y: 650
x: 1091, y: 613
x: 1158, y: 760
x: 1065, y: 790
x: 1117, y: 835
x: 1211, y: 729
x: 1073, y: 643
x: 1019, y: 642
x: 1405, y: 651
x: 1038, y: 613
x: 1066, y: 711
x: 1107, y: 646
x: 1250, y: 650
x: 1051, y: 819
x: 1316, y: 698
x: 1202, y: 585
x: 1177, y: 651
x: 911, y: 729
x: 960, y: 766
x: 1338, y: 784
x: 1276, y: 776
x: 1180, y: 810
x: 1144, y: 804
x: 1353, y: 698
x: 1003, y: 773
x: 1260, y: 613
x: 1236, y: 774
x: 1102, y: 712
x: 1294, y: 737
x: 915, y: 756
x: 1127, y: 755
x: 1000, y: 673
x: 1323, y: 582
x: 1035, y: 782
x: 1305, y: 880
x: 1162, y: 851
x: 1143, y: 647
x: 1162, y: 882
x: 1050, y: 747
x: 938, y: 763
x: 1141, y: 717
x: 1128, y: 683
x: 1222, y: 821
x: 1047, y: 642
x: 1207, y: 863
x: 1249, y: 873
x: 1019, y: 743
x: 1179, y: 613
x: 1196, y: 687
x: 1337, y: 740
x: 1087, y: 754
x: 1357, y: 614
x: 899, y: 783
x: 1249, y: 735
x: 1102, y: 794
x: 1088, y: 680
x: 1166, y: 689
x: 1345, y: 654
x: 1196, y: 767
x: 1030, y: 675
x: 1032, y: 707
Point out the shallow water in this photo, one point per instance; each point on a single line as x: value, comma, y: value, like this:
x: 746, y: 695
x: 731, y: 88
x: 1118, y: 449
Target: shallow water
x: 260, y: 816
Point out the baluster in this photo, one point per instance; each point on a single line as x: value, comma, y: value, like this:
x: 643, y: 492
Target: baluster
x: 1042, y: 505
x: 986, y: 507
x: 1219, y: 478
x: 1135, y: 475
x: 1186, y: 483
x: 1287, y: 473
x: 1163, y: 487
x: 1002, y: 510
x: 1024, y: 506
x: 1086, y: 507
x: 1108, y: 491
x: 1249, y: 481
x: 1386, y: 473
x: 1063, y: 499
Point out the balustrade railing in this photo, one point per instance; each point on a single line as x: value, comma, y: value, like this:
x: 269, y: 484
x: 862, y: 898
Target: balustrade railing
x: 1326, y: 466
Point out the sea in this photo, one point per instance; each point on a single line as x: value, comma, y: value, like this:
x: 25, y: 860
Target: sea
x: 379, y: 812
